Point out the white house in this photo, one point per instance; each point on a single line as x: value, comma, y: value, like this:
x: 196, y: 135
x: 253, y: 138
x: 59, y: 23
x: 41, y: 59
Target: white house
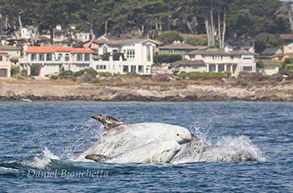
x: 270, y: 67
x: 40, y: 61
x: 217, y: 60
x: 138, y: 56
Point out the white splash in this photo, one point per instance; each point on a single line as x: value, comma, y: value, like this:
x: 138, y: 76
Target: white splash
x: 41, y: 161
x: 87, y: 133
x: 226, y: 148
x: 49, y: 154
x: 241, y: 144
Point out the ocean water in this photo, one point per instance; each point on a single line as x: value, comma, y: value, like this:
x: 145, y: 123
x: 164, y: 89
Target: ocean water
x: 39, y: 141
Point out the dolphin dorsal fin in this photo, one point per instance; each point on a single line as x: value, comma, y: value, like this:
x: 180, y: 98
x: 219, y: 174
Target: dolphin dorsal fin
x: 108, y: 121
x: 97, y: 157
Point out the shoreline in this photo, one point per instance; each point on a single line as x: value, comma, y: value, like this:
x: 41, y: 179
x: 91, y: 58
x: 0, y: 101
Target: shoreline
x: 281, y: 92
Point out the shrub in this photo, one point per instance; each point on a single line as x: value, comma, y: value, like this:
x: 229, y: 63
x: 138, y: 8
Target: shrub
x: 105, y: 74
x: 196, y: 41
x: 106, y: 56
x: 132, y: 75
x: 168, y: 37
x: 251, y: 76
x: 227, y: 73
x: 94, y: 80
x: 66, y: 74
x: 276, y: 77
x: 54, y: 77
x: 260, y: 64
x: 161, y: 78
x: 23, y: 73
x: 86, y: 77
x: 19, y: 78
x: 166, y: 58
x: 286, y: 62
x: 202, y: 74
x: 116, y: 56
x: 90, y: 71
x: 14, y: 70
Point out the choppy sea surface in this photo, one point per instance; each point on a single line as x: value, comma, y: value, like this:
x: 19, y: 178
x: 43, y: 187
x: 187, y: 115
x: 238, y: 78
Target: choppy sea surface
x: 39, y: 141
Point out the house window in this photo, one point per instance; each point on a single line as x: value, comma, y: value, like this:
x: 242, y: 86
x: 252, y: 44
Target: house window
x: 247, y: 57
x: 79, y: 57
x: 125, y: 69
x: 101, y: 67
x: 1, y: 58
x: 57, y: 36
x: 86, y: 57
x: 33, y: 57
x: 221, y: 68
x: 140, y: 69
x: 148, y: 53
x: 67, y: 57
x: 130, y: 53
x: 247, y: 68
x: 133, y: 68
x: 59, y: 57
x: 49, y: 57
x: 41, y: 57
x: 105, y: 50
x: 195, y: 67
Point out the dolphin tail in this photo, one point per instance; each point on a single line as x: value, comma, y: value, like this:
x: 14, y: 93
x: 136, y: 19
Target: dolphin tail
x: 97, y: 157
x: 107, y: 121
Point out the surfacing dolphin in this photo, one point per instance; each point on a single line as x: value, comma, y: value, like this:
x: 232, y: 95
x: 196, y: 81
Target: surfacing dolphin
x: 197, y: 151
x: 119, y: 137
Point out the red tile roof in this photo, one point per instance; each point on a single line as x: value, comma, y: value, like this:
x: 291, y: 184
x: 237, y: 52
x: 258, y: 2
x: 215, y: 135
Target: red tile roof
x: 81, y: 50
x: 35, y: 49
x: 3, y: 52
x: 51, y: 49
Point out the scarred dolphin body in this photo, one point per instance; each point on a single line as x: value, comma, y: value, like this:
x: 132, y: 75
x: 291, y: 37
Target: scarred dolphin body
x: 120, y: 138
x: 159, y: 152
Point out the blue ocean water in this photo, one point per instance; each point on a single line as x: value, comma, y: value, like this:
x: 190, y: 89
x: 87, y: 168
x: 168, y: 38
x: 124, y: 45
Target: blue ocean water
x: 39, y: 141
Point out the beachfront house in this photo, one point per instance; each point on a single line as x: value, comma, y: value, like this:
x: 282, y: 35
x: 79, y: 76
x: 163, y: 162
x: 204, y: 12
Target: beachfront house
x: 288, y: 39
x: 13, y: 52
x: 136, y: 55
x: 217, y: 60
x: 41, y: 61
x: 5, y: 64
x: 269, y: 67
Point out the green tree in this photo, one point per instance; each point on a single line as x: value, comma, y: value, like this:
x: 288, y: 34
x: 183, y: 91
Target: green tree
x: 267, y: 40
x: 196, y: 41
x: 168, y: 37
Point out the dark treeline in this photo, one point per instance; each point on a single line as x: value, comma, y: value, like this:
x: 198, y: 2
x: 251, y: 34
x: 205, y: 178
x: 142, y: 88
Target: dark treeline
x: 218, y: 19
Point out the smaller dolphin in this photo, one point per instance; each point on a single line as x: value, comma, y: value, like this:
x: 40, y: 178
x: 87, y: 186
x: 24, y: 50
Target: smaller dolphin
x: 197, y: 151
x: 160, y: 152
